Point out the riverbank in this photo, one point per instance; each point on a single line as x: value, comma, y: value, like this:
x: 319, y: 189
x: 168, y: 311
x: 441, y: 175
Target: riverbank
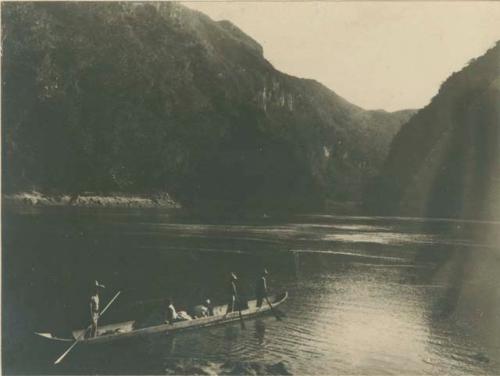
x: 35, y: 198
x: 207, y: 210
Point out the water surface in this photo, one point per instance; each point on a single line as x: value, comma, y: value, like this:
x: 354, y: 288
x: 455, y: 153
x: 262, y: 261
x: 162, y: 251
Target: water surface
x: 367, y: 295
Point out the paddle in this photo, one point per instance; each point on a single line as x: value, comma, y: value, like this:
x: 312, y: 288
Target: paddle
x: 85, y: 331
x: 241, y: 316
x: 275, y: 313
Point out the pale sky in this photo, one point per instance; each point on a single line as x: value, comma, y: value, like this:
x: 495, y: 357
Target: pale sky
x: 378, y: 55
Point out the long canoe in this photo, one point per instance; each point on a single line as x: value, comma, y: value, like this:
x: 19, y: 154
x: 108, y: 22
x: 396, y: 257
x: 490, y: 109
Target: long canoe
x: 127, y: 329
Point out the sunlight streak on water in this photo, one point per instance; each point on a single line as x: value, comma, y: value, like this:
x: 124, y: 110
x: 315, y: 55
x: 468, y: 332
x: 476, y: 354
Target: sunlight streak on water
x: 381, y: 238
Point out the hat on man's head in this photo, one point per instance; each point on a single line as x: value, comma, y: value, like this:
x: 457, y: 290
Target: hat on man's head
x: 98, y: 285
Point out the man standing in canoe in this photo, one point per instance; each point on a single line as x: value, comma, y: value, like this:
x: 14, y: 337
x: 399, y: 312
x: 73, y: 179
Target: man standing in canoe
x: 94, y: 309
x: 261, y: 288
x: 233, y: 291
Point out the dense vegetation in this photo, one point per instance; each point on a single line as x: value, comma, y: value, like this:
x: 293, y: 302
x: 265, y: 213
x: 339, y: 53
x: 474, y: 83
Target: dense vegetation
x: 446, y: 160
x: 154, y: 97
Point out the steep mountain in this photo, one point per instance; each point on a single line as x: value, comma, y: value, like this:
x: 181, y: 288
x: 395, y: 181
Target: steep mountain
x: 446, y: 160
x: 127, y: 97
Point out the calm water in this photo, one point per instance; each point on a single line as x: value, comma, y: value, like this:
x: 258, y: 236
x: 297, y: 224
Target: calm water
x: 367, y: 295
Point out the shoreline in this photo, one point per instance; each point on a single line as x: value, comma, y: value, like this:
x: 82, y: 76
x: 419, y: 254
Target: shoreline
x: 91, y: 200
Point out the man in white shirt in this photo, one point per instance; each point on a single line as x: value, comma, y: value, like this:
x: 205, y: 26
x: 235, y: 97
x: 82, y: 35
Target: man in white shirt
x: 171, y: 312
x: 94, y: 309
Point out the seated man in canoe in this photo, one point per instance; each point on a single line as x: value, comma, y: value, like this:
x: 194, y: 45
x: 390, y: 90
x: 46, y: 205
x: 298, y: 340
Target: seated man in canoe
x: 203, y: 310
x: 173, y: 316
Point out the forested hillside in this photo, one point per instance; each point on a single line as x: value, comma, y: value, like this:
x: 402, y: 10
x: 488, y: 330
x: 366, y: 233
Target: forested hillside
x: 154, y: 97
x: 446, y: 160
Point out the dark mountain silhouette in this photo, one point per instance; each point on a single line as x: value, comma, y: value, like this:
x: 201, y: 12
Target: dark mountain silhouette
x: 125, y: 97
x: 445, y: 161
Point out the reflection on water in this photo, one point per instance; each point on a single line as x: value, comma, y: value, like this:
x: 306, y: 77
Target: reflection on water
x: 380, y: 238
x: 260, y: 330
x: 367, y: 296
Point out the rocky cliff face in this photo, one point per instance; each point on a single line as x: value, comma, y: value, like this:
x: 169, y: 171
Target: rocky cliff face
x: 124, y: 97
x: 446, y: 160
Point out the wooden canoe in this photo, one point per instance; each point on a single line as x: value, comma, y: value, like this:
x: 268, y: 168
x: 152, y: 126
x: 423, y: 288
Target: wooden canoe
x: 124, y: 330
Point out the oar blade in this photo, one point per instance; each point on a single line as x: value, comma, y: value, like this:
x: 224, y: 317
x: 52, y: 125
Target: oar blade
x: 280, y: 313
x: 63, y: 355
x: 273, y: 310
x: 241, y: 320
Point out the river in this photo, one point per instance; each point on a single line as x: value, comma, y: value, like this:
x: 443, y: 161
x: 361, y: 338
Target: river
x: 367, y: 295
